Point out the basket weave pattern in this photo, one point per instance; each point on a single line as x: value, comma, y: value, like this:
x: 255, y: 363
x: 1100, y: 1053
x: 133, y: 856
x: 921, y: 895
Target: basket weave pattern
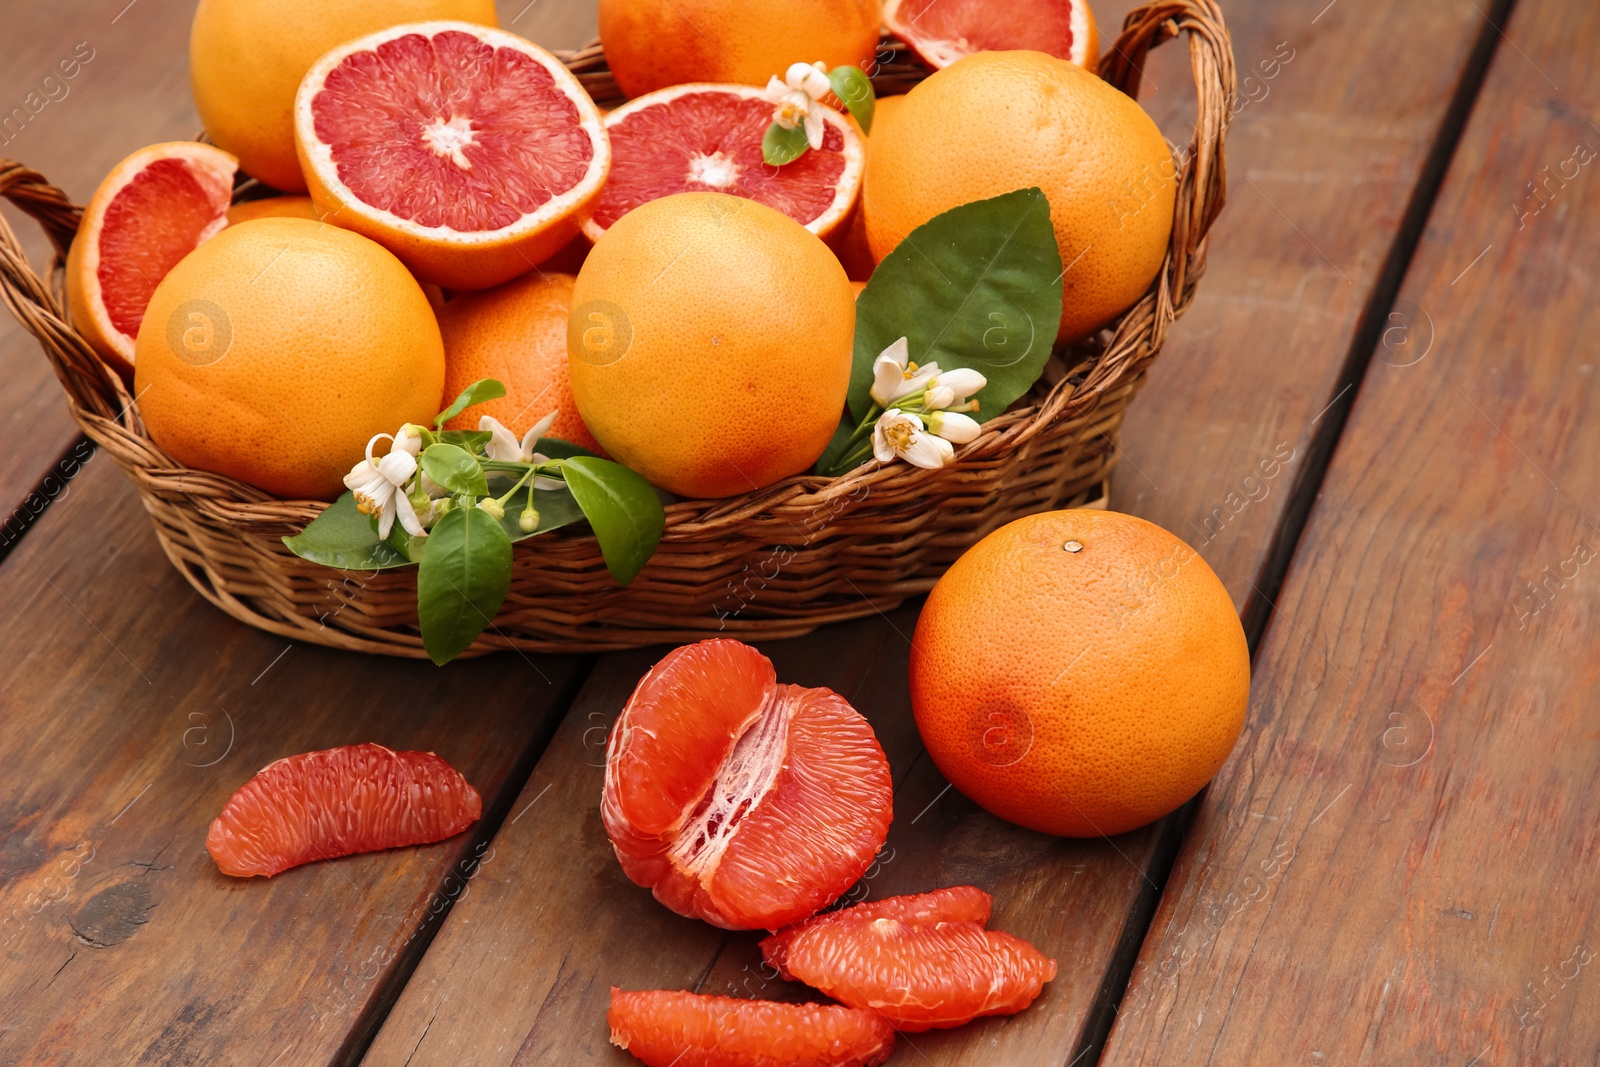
x: 777, y: 562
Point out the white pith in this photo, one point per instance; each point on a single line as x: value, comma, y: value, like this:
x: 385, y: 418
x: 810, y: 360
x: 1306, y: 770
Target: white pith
x: 320, y: 155
x: 716, y: 169
x: 744, y: 778
x: 448, y: 137
x: 844, y: 193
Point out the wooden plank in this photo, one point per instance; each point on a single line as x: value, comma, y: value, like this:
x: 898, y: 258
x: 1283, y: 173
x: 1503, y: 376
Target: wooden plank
x: 78, y: 91
x: 520, y: 972
x: 1397, y: 866
x: 129, y: 712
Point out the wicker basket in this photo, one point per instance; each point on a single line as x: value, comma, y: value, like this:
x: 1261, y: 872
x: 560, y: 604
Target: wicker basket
x: 778, y: 562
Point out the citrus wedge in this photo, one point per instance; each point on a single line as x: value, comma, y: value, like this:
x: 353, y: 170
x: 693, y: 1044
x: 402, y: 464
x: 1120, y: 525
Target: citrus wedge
x: 149, y: 212
x: 942, y: 31
x: 468, y: 152
x: 663, y: 1028
x: 703, y: 138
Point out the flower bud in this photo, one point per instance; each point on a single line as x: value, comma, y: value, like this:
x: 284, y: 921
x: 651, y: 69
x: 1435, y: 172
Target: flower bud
x: 492, y: 507
x: 528, y: 521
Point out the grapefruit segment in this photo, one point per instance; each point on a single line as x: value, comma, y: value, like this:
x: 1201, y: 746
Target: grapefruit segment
x: 943, y: 31
x: 153, y: 209
x: 680, y: 1029
x: 337, y: 802
x: 920, y: 976
x: 957, y: 903
x: 738, y: 800
x: 703, y: 137
x: 468, y: 152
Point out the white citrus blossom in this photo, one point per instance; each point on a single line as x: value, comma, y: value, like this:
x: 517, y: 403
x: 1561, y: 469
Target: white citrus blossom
x: 953, y: 426
x: 797, y: 99
x: 901, y: 434
x: 504, y: 446
x: 378, y: 484
x: 953, y: 388
x: 895, y: 376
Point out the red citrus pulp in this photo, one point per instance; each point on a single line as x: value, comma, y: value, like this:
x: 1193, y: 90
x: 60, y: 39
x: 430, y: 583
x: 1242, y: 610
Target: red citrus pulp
x: 319, y: 805
x: 943, y: 31
x: 957, y: 903
x: 671, y: 1029
x: 738, y: 800
x: 707, y: 138
x: 920, y: 976
x: 468, y: 152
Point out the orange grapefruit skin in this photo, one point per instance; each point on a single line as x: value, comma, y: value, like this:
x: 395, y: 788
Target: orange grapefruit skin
x: 710, y: 343
x: 998, y: 121
x: 1080, y: 693
x: 275, y: 350
x: 651, y: 44
x: 246, y: 59
x: 515, y: 333
x: 275, y: 207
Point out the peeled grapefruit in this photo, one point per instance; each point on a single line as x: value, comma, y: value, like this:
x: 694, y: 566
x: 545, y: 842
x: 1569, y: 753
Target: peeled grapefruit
x: 673, y: 1029
x: 515, y: 333
x: 957, y: 903
x: 246, y: 59
x: 942, y: 31
x: 319, y: 805
x: 710, y: 343
x: 148, y: 213
x: 276, y: 349
x: 707, y: 138
x: 468, y: 152
x: 999, y: 121
x: 1079, y: 672
x: 738, y: 800
x: 651, y: 44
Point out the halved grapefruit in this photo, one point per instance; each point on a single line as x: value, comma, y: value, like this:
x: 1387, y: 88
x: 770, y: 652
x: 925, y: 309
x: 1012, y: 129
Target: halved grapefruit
x: 319, y: 805
x: 738, y: 800
x: 666, y: 1028
x: 470, y: 153
x: 703, y: 137
x: 942, y: 31
x: 149, y: 212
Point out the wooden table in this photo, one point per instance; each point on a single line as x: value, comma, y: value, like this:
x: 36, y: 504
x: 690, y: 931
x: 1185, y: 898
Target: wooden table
x: 1397, y: 866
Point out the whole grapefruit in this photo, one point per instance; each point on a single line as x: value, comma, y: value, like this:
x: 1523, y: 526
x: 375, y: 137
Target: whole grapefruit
x: 246, y: 59
x: 515, y: 333
x: 651, y: 44
x: 276, y: 349
x: 710, y: 343
x: 994, y: 122
x: 1079, y: 672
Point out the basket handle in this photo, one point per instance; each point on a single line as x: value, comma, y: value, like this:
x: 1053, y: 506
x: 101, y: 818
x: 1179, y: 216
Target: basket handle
x: 93, y: 387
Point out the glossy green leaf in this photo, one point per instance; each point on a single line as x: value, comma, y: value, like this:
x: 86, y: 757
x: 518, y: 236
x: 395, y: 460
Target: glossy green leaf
x: 623, y: 509
x: 454, y: 468
x: 978, y: 286
x: 844, y: 443
x: 781, y: 146
x: 463, y: 579
x: 342, y: 537
x: 476, y: 393
x: 852, y: 85
x: 471, y: 440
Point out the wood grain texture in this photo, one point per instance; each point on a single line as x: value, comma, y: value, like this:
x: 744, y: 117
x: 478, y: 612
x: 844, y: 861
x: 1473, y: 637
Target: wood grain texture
x: 1398, y: 864
x: 130, y: 711
x: 484, y: 995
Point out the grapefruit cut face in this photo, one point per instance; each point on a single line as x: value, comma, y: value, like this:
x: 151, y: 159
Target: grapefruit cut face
x: 675, y: 1029
x: 738, y: 800
x: 942, y: 31
x: 467, y: 151
x: 920, y: 976
x: 340, y: 801
x: 704, y: 138
x: 153, y: 209
x: 957, y: 903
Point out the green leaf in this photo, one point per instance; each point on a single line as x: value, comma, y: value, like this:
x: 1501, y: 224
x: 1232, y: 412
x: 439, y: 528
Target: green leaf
x: 342, y: 537
x: 844, y: 441
x: 463, y: 579
x: 476, y: 393
x: 626, y: 514
x: 782, y: 146
x: 851, y: 85
x: 471, y: 440
x: 556, y: 508
x: 556, y: 448
x: 978, y: 286
x: 454, y: 468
